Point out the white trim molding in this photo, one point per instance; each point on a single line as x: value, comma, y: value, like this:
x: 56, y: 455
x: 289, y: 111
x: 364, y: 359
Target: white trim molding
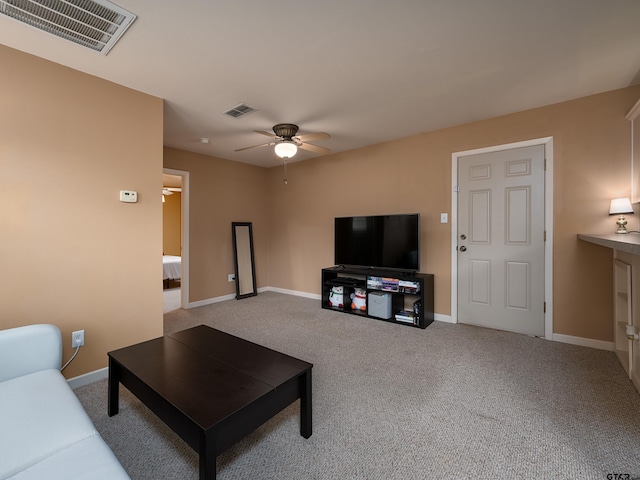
x: 184, y: 204
x: 583, y: 342
x: 438, y: 317
x: 209, y: 301
x: 103, y: 373
x: 296, y: 293
x: 547, y: 142
x: 232, y: 296
x: 87, y: 378
x: 635, y: 184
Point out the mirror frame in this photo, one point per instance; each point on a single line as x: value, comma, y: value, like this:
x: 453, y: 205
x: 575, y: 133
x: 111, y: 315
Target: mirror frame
x: 254, y: 291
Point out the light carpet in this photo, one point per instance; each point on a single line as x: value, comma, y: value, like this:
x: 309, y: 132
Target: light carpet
x: 171, y: 299
x: 395, y: 402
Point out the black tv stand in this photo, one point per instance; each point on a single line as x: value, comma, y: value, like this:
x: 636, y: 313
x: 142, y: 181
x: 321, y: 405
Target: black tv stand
x: 347, y: 281
x: 402, y: 298
x: 390, y: 271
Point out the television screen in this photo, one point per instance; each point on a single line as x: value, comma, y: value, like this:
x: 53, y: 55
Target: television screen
x: 383, y: 241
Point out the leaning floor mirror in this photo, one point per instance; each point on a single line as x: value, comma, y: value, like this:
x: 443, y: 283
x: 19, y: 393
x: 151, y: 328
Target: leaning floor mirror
x: 243, y: 259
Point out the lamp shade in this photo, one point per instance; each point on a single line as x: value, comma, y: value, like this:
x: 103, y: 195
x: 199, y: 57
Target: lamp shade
x: 620, y: 206
x: 286, y: 149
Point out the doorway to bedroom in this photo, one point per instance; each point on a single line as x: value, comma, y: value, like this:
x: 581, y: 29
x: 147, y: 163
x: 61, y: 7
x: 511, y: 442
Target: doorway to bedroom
x: 175, y: 202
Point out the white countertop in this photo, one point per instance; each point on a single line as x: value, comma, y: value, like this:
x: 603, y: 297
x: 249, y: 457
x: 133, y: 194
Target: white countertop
x: 629, y: 242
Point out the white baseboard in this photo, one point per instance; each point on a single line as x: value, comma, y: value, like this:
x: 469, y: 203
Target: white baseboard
x: 87, y: 378
x: 209, y: 301
x: 583, y: 342
x: 231, y: 296
x: 443, y: 318
x: 102, y: 373
x: 556, y: 337
x: 296, y: 293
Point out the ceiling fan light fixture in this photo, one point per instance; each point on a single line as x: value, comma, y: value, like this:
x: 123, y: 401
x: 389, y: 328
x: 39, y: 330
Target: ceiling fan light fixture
x: 286, y: 149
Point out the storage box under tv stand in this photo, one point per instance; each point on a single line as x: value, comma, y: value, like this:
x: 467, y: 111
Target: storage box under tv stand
x: 399, y: 299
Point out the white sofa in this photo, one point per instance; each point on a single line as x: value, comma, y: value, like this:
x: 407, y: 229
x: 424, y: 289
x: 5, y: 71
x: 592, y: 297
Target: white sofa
x: 44, y: 431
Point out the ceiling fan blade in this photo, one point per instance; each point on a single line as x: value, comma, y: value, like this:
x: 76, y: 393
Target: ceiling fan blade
x: 255, y: 146
x: 313, y: 136
x: 262, y: 132
x: 172, y: 189
x: 166, y: 191
x: 314, y: 148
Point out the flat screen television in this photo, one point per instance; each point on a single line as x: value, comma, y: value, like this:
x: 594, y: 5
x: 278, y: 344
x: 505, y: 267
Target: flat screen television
x: 381, y: 241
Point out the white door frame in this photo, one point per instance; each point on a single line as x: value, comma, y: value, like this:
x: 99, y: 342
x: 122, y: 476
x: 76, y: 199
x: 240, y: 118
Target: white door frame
x: 184, y: 205
x: 547, y: 142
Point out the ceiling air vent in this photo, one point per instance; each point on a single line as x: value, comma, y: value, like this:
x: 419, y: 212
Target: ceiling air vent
x: 95, y: 24
x: 239, y: 110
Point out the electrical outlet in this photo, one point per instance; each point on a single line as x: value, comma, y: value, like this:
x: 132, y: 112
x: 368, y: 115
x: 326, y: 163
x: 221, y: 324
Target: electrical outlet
x: 232, y: 277
x: 77, y: 339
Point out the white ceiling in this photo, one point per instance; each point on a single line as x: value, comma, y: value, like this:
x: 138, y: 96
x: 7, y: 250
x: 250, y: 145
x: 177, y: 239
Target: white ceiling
x: 365, y: 72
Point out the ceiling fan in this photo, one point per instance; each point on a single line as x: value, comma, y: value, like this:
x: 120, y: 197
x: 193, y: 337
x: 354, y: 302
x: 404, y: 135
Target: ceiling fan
x: 287, y: 142
x: 170, y: 190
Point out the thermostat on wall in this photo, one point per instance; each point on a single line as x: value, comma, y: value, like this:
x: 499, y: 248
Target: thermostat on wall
x: 128, y: 196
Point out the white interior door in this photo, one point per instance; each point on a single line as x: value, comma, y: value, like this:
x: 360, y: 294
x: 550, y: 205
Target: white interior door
x: 501, y: 240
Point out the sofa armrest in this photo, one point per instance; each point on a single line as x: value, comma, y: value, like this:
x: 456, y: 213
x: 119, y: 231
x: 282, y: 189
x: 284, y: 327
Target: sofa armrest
x: 29, y: 349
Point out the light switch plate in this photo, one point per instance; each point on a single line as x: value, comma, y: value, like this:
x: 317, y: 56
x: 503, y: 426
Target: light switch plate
x: 444, y: 218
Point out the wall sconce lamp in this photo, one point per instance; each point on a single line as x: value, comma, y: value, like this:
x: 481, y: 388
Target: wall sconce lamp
x: 620, y: 207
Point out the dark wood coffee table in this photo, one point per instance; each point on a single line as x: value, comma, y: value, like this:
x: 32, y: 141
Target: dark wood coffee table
x: 211, y: 388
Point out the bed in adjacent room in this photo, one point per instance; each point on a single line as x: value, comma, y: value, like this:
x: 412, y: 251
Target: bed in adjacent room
x: 171, y: 269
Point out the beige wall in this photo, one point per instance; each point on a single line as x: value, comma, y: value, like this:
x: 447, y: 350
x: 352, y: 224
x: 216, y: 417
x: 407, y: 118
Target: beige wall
x: 171, y: 224
x: 72, y: 254
x: 221, y: 192
x: 591, y: 165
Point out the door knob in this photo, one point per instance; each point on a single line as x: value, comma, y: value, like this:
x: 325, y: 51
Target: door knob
x: 463, y: 236
x: 463, y: 248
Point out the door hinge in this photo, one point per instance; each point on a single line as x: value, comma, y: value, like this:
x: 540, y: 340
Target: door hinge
x: 545, y: 307
x: 545, y: 235
x: 545, y: 163
x: 456, y: 188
